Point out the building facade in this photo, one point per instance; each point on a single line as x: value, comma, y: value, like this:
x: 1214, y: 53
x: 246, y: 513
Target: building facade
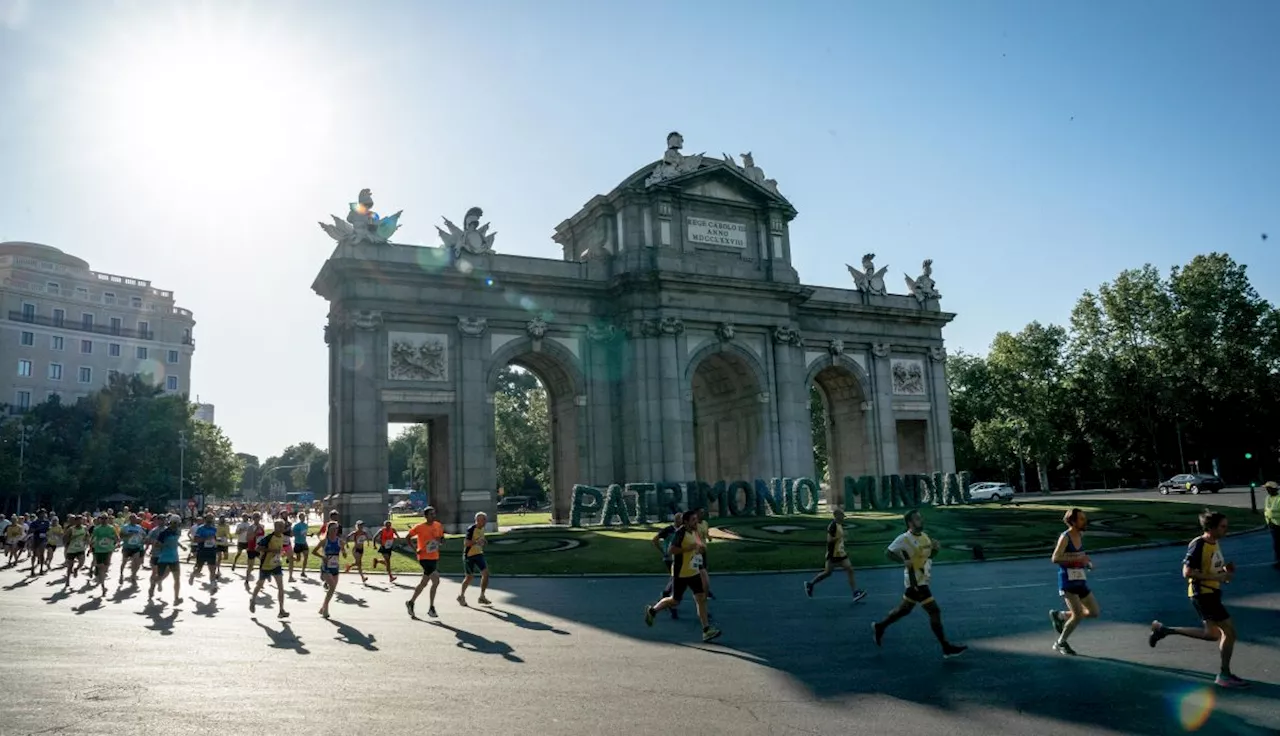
x: 67, y: 328
x: 204, y: 412
x: 674, y: 337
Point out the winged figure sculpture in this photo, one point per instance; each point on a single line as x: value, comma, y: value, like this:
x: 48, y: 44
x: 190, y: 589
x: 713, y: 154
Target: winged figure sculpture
x: 869, y: 279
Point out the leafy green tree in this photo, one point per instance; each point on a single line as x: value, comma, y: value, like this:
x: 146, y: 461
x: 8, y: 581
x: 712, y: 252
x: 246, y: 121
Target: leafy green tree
x: 409, y: 458
x: 522, y: 433
x: 818, y: 427
x: 215, y: 470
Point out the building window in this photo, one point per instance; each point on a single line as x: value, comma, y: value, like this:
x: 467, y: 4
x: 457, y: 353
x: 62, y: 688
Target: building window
x: 55, y: 371
x: 86, y: 374
x: 144, y: 330
x: 86, y: 321
x: 113, y: 350
x: 171, y: 383
x: 59, y: 317
x: 186, y: 335
x: 86, y: 346
x: 135, y: 302
x: 22, y: 399
x: 24, y: 368
x: 28, y: 338
x: 28, y: 312
x: 140, y: 353
x: 82, y: 293
x: 55, y: 342
x: 52, y: 288
x: 115, y: 325
x: 108, y: 297
x: 173, y: 356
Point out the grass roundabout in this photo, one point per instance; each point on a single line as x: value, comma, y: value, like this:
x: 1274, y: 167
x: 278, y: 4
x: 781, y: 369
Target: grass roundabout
x: 777, y: 543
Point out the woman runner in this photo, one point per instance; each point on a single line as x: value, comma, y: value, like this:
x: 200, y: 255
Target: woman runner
x: 330, y: 549
x: 358, y: 537
x: 387, y: 538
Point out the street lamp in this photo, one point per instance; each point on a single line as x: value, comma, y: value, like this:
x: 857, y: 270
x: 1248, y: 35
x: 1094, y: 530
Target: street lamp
x: 182, y: 463
x: 1022, y: 468
x: 23, y: 437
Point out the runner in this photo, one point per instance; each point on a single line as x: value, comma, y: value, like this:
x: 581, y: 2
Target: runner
x: 205, y: 540
x: 1271, y: 512
x: 686, y: 564
x: 704, y: 536
x: 330, y: 549
x: 300, y: 546
x: 159, y: 524
x: 662, y: 541
x: 165, y: 553
x: 914, y: 549
x: 836, y: 557
x: 430, y: 537
x: 52, y: 541
x: 286, y: 549
x: 134, y: 542
x: 473, y: 560
x: 242, y: 542
x: 254, y: 537
x: 191, y: 539
x: 37, y: 538
x: 13, y: 536
x: 105, y: 539
x: 271, y: 547
x: 1205, y: 572
x: 1072, y: 564
x: 224, y: 543
x: 386, y: 545
x: 357, y: 538
x: 77, y: 540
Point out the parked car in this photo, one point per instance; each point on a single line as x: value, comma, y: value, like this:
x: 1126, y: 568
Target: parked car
x: 516, y: 503
x: 991, y: 492
x: 1192, y: 482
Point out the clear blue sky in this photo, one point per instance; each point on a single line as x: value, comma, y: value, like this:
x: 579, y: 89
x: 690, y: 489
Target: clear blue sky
x: 1033, y: 150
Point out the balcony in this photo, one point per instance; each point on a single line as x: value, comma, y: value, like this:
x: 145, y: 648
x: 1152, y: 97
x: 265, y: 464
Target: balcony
x: 188, y: 340
x: 37, y: 319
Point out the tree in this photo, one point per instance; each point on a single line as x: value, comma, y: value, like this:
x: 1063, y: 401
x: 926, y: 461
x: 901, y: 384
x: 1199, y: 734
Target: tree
x: 250, y: 471
x: 523, y: 433
x: 215, y: 470
x: 818, y: 427
x: 301, y: 467
x: 409, y: 459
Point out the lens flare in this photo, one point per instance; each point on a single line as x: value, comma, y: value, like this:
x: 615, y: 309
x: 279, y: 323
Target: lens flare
x: 1193, y: 707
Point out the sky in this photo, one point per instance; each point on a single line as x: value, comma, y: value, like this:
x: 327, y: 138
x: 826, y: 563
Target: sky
x: 1032, y: 150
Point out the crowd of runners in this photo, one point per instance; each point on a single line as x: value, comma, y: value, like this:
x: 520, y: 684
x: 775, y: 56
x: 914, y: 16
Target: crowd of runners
x: 88, y: 543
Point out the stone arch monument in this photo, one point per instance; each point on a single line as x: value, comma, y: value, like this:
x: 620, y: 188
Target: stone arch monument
x: 674, y: 337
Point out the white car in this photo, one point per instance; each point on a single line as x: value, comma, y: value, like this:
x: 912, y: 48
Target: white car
x: 991, y: 492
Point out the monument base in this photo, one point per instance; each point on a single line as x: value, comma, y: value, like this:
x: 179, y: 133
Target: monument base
x: 371, y: 508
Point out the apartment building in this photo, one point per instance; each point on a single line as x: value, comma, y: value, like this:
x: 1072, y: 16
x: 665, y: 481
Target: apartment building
x: 67, y: 328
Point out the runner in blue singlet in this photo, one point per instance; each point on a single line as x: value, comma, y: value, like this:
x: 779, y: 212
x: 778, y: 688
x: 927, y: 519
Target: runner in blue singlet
x: 332, y: 549
x: 1073, y: 566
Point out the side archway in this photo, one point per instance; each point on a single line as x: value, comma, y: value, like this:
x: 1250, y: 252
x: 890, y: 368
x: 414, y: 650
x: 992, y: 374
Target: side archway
x: 847, y: 420
x: 727, y: 389
x: 561, y: 375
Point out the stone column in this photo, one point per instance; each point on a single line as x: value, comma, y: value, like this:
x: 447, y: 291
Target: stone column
x: 474, y: 485
x: 886, y: 421
x: 670, y: 419
x: 363, y: 426
x: 600, y: 467
x: 793, y: 416
x: 944, y: 453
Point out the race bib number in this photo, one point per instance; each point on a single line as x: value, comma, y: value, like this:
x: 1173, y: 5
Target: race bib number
x: 433, y: 546
x: 1075, y: 573
x: 331, y: 561
x: 387, y: 545
x: 696, y: 562
x: 54, y: 539
x: 135, y: 540
x: 209, y: 544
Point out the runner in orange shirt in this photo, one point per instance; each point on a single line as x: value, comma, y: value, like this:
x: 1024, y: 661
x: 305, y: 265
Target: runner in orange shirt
x: 386, y: 545
x: 430, y: 538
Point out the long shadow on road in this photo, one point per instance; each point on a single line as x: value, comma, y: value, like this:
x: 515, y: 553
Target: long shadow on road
x: 479, y: 644
x: 826, y: 645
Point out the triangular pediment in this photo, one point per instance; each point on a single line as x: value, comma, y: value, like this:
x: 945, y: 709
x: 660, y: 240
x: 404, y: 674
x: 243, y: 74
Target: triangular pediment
x: 724, y: 181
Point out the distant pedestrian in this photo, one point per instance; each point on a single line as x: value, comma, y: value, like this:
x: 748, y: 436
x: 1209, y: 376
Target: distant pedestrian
x: 1271, y: 505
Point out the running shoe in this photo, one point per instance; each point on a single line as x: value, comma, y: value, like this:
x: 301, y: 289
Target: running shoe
x: 648, y: 615
x: 285, y: 614
x: 859, y: 595
x: 953, y: 650
x: 710, y: 633
x: 409, y: 606
x: 1062, y: 647
x: 1230, y: 681
x: 462, y: 601
x: 1056, y: 618
x: 432, y: 612
x: 1157, y: 633
x: 878, y: 630
x: 808, y: 588
x: 485, y: 601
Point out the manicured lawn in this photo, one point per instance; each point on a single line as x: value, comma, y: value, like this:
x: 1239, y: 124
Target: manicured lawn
x: 797, y: 542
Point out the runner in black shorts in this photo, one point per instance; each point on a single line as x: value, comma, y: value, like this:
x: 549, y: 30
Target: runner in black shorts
x: 914, y: 549
x: 836, y: 557
x: 1205, y: 572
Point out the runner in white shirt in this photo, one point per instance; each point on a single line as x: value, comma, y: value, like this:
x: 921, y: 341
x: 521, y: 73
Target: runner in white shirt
x: 914, y: 549
x: 242, y: 540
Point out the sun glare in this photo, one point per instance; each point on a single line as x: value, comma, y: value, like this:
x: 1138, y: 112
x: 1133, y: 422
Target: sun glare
x: 199, y: 105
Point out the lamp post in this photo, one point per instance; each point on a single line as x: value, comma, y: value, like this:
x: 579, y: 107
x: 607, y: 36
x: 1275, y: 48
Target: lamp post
x: 1022, y: 468
x: 182, y: 463
x: 24, y: 436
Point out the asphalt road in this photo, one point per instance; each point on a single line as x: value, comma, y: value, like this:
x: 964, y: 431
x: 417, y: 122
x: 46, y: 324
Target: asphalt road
x: 573, y: 656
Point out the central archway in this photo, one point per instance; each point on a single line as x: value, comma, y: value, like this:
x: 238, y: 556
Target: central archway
x: 728, y: 419
x: 850, y: 447
x: 555, y: 368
